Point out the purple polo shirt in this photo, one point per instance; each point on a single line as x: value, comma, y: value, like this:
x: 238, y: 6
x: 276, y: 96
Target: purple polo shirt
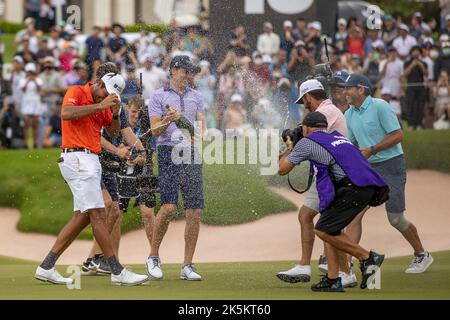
x: 188, y: 104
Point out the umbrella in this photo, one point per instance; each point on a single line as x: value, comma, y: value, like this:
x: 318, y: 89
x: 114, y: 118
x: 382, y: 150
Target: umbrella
x: 358, y: 9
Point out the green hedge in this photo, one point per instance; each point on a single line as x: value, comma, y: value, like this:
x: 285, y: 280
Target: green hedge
x: 10, y: 27
x: 156, y: 28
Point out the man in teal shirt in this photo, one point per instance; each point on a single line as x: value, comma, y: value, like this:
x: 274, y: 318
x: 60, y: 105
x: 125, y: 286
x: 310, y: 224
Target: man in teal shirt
x: 375, y: 129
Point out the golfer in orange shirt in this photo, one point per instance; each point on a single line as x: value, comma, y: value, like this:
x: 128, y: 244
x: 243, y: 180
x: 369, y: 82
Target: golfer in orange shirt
x: 85, y: 111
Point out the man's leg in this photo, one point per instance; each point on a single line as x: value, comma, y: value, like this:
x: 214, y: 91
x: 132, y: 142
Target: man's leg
x: 333, y: 261
x: 344, y: 243
x: 69, y: 233
x: 191, y: 233
x: 407, y: 229
x: 148, y: 217
x: 306, y: 219
x: 165, y: 215
x: 112, y: 216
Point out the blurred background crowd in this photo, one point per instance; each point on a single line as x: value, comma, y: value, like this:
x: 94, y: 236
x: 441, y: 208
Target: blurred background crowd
x: 408, y: 63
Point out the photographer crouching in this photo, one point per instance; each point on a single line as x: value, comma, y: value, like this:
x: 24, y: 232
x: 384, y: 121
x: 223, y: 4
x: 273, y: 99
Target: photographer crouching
x: 346, y: 184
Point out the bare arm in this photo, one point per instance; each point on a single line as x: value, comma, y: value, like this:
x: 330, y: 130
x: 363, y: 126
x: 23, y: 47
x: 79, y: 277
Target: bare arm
x: 285, y: 166
x: 78, y: 112
x: 131, y: 139
x: 389, y: 141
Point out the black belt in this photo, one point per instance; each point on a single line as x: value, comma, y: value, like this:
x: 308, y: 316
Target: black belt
x: 70, y: 150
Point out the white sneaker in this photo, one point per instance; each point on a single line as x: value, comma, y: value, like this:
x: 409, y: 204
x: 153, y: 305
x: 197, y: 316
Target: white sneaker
x: 128, y: 278
x: 420, y: 263
x: 348, y: 279
x: 188, y: 273
x: 323, y: 264
x: 296, y: 274
x: 154, y: 268
x: 51, y: 276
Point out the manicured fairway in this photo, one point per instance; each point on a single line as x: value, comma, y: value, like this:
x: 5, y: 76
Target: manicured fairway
x: 229, y: 281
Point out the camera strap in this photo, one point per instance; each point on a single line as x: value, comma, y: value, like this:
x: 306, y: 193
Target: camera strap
x: 310, y: 180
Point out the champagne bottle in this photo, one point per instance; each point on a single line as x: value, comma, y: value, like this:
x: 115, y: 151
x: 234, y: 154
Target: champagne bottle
x: 184, y: 123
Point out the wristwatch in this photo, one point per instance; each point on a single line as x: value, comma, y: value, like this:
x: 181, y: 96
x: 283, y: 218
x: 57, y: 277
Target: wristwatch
x: 372, y: 150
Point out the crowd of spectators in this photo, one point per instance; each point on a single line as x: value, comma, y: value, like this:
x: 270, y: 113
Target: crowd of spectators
x: 408, y: 63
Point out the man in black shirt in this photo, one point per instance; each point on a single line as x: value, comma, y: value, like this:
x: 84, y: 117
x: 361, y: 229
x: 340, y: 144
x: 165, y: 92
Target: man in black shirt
x: 117, y: 46
x: 415, y: 74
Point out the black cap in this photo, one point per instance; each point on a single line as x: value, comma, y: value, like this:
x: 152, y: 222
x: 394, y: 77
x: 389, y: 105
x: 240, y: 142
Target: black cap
x: 357, y: 80
x: 315, y: 120
x: 184, y: 62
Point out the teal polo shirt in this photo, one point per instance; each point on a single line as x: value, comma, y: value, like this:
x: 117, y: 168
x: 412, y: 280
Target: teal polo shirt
x: 370, y: 124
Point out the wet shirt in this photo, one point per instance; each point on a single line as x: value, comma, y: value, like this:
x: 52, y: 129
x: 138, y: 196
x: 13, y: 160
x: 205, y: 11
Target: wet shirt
x: 188, y: 104
x: 84, y: 132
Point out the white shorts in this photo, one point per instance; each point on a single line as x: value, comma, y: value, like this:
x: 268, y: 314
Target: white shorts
x: 312, y: 197
x: 32, y: 108
x: 83, y: 174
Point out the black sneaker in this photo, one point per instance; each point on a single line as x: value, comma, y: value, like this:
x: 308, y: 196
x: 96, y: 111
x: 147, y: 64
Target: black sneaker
x: 99, y: 265
x: 370, y: 267
x: 328, y: 285
x: 85, y: 271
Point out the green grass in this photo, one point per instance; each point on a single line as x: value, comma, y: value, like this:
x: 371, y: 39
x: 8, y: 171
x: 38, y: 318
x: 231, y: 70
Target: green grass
x: 428, y: 149
x: 31, y: 182
x: 230, y: 281
x: 10, y: 49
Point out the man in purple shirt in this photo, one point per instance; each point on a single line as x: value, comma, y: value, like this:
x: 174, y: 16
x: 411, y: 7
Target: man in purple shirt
x: 182, y: 101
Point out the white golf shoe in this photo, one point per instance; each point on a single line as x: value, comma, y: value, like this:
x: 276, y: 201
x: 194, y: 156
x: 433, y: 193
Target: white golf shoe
x: 296, y: 274
x: 154, y: 268
x: 188, y: 273
x: 420, y: 263
x: 51, y: 276
x: 128, y: 278
x: 348, y: 279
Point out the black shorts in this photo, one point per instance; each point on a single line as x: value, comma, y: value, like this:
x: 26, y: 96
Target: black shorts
x: 109, y: 183
x: 129, y: 188
x: 348, y: 203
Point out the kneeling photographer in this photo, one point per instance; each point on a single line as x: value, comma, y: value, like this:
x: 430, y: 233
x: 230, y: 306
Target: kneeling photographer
x: 346, y: 185
x: 314, y: 97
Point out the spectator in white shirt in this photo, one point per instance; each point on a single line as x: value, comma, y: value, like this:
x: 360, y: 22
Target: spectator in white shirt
x: 391, y: 70
x: 17, y: 75
x: 404, y: 42
x: 268, y: 42
x: 153, y: 78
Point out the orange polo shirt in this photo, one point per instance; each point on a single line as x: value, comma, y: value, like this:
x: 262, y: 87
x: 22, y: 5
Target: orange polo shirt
x: 84, y: 132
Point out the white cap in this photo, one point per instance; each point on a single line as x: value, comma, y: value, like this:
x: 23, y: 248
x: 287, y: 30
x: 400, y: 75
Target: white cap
x: 114, y: 83
x: 300, y: 43
x: 315, y: 25
x: 146, y: 57
x: 268, y: 25
x: 30, y: 67
x: 444, y: 37
x: 447, y: 17
x: 342, y: 21
x: 287, y: 24
x: 18, y: 59
x: 386, y: 91
x: 236, y: 98
x: 404, y: 27
x: 266, y: 59
x: 204, y: 64
x: 308, y: 86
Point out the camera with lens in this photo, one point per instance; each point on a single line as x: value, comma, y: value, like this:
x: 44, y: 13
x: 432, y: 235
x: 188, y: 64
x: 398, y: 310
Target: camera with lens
x: 110, y: 162
x: 295, y: 134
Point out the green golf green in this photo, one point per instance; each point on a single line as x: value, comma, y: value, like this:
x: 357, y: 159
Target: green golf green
x: 250, y: 280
